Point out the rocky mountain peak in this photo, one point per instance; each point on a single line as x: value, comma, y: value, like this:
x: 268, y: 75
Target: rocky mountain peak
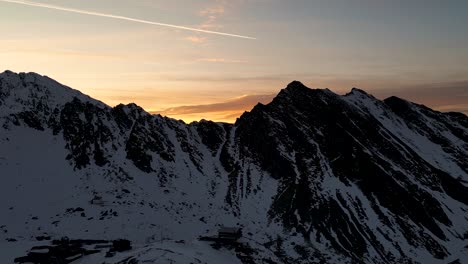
x: 312, y: 176
x: 297, y: 89
x: 23, y: 79
x: 355, y: 90
x: 295, y: 85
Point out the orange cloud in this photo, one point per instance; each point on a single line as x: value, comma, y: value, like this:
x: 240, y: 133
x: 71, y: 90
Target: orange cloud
x: 211, y: 15
x: 224, y: 112
x: 196, y: 39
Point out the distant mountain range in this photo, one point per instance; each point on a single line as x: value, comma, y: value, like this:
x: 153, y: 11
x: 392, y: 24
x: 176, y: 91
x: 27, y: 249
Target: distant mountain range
x: 312, y: 177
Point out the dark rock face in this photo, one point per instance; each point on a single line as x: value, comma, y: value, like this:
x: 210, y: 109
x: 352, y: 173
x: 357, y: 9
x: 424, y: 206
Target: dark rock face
x: 146, y: 137
x: 84, y: 130
x: 307, y: 134
x: 416, y: 117
x: 212, y: 134
x: 372, y: 181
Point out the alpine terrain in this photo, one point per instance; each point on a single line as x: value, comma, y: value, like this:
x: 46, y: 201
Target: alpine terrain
x: 312, y: 177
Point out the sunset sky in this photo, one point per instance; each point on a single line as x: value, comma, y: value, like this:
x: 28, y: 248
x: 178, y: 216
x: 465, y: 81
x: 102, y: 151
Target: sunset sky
x: 415, y: 49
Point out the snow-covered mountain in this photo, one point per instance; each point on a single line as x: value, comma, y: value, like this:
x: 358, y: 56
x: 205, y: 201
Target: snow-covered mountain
x: 312, y: 177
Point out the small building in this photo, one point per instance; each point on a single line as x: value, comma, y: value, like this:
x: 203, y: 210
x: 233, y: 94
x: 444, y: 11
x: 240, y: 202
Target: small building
x: 230, y: 233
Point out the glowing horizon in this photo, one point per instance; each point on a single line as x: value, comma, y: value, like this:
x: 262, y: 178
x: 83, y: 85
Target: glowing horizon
x: 380, y: 47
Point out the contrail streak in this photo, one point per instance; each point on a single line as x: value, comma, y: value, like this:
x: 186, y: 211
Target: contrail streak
x: 79, y: 11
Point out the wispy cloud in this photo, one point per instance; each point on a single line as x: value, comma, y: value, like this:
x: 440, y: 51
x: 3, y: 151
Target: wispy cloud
x: 214, y: 10
x: 64, y: 53
x: 211, y: 15
x: 85, y: 12
x: 196, y: 39
x: 227, y: 78
x: 226, y: 111
x: 221, y: 60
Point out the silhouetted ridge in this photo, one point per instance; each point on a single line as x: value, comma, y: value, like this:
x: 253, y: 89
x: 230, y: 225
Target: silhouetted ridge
x: 296, y: 85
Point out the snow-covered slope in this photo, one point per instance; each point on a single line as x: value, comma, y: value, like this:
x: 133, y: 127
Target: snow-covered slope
x: 311, y: 177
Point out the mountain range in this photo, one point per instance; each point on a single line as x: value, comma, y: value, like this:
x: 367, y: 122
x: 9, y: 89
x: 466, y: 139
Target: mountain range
x: 312, y: 177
